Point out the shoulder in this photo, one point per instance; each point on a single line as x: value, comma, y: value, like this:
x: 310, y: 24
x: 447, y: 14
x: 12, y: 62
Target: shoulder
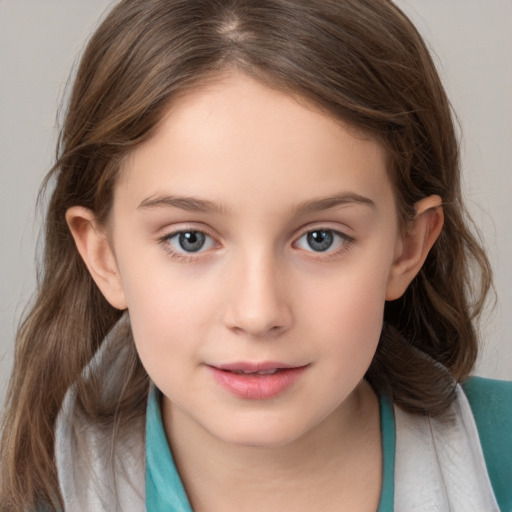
x: 491, y: 404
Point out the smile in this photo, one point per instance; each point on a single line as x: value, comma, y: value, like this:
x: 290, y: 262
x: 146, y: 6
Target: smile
x: 256, y: 382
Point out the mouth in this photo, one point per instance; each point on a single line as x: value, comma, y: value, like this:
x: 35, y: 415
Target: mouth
x: 257, y: 381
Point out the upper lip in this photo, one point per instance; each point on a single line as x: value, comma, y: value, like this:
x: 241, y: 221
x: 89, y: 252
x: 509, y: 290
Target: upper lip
x: 244, y: 366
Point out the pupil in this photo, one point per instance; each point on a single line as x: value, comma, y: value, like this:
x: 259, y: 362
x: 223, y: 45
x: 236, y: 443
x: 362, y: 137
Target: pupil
x: 320, y: 240
x: 191, y: 241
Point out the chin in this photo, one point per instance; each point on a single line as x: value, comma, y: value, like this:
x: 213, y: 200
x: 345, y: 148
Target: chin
x: 260, y: 435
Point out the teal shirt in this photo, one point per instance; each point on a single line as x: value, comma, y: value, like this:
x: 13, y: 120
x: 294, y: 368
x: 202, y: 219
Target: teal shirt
x: 491, y: 402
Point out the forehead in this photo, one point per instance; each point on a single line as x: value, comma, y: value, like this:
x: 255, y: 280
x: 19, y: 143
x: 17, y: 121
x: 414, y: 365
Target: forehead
x: 239, y: 142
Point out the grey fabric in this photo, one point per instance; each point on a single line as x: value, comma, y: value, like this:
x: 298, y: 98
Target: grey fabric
x: 94, y: 474
x: 439, y: 464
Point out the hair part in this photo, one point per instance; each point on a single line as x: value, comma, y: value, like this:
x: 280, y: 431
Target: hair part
x: 147, y: 53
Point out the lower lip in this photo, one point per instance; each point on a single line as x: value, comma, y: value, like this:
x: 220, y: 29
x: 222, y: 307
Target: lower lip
x: 257, y: 387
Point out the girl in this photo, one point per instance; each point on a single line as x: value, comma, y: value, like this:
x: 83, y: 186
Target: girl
x: 259, y: 283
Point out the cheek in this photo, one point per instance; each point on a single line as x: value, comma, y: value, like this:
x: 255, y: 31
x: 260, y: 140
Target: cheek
x: 350, y: 343
x: 348, y: 308
x: 351, y: 320
x: 169, y: 311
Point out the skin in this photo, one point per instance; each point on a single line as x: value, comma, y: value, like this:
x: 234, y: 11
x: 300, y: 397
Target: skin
x: 266, y: 170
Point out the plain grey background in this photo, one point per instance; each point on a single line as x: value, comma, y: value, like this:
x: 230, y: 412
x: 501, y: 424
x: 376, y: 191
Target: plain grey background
x: 41, y: 39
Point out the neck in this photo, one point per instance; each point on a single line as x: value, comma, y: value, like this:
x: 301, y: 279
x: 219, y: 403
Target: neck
x: 334, y: 465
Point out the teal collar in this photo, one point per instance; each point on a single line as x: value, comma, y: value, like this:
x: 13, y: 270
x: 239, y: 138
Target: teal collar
x: 164, y: 489
x: 388, y: 435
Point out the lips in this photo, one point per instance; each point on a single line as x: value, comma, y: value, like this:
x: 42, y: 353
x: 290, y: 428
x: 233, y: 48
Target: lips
x: 256, y: 381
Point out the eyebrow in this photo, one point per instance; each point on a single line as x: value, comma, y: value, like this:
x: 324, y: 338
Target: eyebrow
x: 191, y: 204
x: 194, y: 204
x: 326, y: 203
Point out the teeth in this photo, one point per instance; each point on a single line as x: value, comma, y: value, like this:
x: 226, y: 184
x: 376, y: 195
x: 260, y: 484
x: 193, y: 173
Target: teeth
x: 261, y: 372
x: 268, y: 372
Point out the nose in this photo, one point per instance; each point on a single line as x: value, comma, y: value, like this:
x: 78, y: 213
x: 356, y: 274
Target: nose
x: 257, y: 305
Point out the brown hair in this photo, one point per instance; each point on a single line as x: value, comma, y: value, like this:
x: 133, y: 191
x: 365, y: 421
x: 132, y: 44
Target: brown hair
x: 361, y: 61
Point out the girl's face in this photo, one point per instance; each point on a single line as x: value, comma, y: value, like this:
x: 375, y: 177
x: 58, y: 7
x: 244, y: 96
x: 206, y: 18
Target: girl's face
x: 254, y: 234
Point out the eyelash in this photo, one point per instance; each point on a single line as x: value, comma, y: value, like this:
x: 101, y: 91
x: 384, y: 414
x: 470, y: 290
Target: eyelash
x: 182, y: 256
x: 345, y: 240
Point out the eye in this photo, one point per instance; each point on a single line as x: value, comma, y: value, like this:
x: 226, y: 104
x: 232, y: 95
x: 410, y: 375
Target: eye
x: 322, y: 240
x: 189, y: 241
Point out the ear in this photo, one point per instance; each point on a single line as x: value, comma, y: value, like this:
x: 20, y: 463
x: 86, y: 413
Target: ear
x: 413, y: 248
x: 94, y: 248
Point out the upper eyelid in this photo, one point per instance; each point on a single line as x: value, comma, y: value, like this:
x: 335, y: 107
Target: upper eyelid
x: 323, y: 226
x: 168, y: 232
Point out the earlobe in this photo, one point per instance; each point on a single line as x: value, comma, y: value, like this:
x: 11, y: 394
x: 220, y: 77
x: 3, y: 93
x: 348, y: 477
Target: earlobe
x: 422, y: 232
x: 94, y: 248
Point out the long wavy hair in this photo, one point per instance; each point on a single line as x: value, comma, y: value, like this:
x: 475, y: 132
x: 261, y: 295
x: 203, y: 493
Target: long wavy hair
x: 361, y: 61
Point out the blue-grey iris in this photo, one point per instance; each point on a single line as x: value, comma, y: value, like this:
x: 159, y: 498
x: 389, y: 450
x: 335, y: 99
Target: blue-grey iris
x: 320, y: 240
x: 191, y: 241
